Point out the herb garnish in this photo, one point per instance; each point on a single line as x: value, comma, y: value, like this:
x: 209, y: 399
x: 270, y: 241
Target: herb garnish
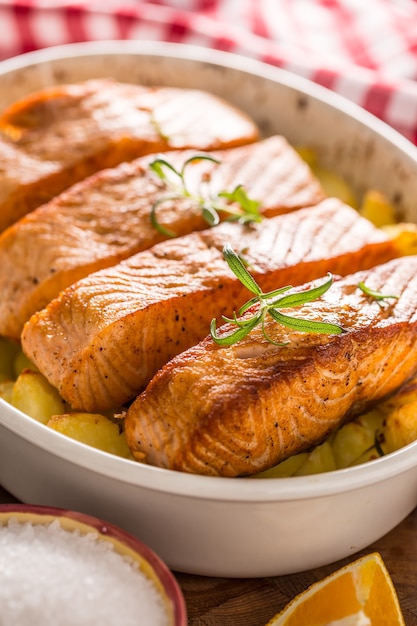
x: 270, y: 303
x: 236, y: 204
x: 378, y: 439
x: 376, y: 295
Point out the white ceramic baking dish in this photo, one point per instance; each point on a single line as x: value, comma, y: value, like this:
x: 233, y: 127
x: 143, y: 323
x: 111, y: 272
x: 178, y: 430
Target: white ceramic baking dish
x: 206, y: 525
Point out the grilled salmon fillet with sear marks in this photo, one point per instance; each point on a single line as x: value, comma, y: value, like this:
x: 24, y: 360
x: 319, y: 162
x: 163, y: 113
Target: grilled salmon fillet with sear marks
x: 237, y: 410
x: 107, y: 217
x: 58, y: 136
x: 104, y: 337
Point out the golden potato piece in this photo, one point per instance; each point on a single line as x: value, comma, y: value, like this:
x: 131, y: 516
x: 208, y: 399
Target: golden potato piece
x: 400, y: 427
x: 284, y: 469
x: 356, y: 439
x: 93, y: 429
x: 333, y: 185
x: 377, y: 209
x: 33, y: 395
x: 319, y: 460
x: 21, y: 362
x: 308, y: 154
x: 404, y: 236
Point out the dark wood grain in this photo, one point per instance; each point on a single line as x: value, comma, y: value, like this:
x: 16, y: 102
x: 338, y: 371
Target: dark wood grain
x: 254, y: 601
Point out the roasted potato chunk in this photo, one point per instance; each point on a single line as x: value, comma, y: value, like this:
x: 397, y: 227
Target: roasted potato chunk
x: 320, y: 460
x: 93, y: 429
x: 356, y: 439
x: 332, y: 184
x: 400, y: 426
x: 377, y: 209
x: 33, y: 395
x: 404, y: 236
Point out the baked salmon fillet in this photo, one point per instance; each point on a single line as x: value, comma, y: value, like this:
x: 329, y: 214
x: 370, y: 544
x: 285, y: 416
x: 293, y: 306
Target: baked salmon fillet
x: 237, y: 410
x: 107, y: 217
x: 101, y: 341
x: 58, y: 136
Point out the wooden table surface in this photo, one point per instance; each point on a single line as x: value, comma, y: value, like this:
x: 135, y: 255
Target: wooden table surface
x: 254, y: 601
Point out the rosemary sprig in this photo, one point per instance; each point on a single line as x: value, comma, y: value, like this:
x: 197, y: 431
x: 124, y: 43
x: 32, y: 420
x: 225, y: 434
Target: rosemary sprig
x: 375, y: 295
x: 270, y: 303
x: 378, y: 439
x: 236, y: 204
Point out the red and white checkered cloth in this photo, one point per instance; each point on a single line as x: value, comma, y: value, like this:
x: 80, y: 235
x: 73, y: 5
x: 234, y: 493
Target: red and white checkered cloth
x: 365, y: 50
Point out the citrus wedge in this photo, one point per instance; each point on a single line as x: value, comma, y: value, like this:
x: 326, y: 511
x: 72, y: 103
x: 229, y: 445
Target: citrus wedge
x: 359, y: 594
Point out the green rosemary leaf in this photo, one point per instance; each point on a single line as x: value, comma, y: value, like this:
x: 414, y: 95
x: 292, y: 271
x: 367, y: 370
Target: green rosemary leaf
x: 190, y: 160
x: 231, y: 217
x: 234, y: 337
x: 269, y: 303
x: 242, y: 323
x: 302, y: 297
x: 154, y: 220
x: 271, y: 295
x: 157, y: 166
x: 376, y: 295
x: 240, y: 196
x: 198, y: 157
x: 247, y: 218
x: 239, y: 269
x: 248, y: 304
x: 305, y: 325
x: 210, y: 216
x: 242, y: 256
x: 246, y: 212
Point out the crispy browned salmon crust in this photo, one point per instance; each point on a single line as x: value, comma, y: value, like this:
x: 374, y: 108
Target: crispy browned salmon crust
x: 104, y: 337
x: 231, y: 411
x: 106, y: 218
x: 58, y: 136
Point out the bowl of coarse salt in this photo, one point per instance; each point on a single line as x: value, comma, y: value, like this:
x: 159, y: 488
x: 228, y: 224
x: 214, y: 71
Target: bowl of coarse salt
x: 69, y: 569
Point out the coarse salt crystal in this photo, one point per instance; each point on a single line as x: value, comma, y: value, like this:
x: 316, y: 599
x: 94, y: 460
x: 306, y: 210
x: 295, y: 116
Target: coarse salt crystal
x: 49, y: 575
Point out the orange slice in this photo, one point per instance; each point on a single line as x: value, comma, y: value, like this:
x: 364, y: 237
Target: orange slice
x: 359, y: 594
